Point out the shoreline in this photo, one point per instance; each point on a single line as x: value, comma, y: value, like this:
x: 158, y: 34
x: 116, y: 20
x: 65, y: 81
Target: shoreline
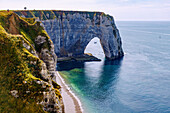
x: 71, y: 102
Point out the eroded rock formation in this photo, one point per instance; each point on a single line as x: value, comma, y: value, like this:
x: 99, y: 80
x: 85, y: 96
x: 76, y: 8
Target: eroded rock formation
x: 71, y: 31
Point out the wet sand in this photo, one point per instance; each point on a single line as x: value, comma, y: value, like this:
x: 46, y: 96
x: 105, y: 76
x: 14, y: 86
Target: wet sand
x: 71, y: 103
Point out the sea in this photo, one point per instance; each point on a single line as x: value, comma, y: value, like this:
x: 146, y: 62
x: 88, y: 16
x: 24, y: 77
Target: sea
x: 137, y: 83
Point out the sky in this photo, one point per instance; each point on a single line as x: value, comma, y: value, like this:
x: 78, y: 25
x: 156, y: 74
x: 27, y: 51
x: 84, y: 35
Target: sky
x: 121, y: 10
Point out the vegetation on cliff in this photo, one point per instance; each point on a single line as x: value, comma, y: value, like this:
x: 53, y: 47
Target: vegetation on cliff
x: 21, y: 79
x: 52, y: 14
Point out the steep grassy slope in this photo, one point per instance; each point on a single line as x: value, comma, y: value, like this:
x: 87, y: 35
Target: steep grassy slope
x: 24, y: 78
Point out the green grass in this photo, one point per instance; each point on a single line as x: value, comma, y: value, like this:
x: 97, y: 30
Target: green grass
x: 26, y: 36
x: 3, y: 16
x: 16, y: 70
x: 13, y: 72
x: 29, y: 20
x: 41, y: 14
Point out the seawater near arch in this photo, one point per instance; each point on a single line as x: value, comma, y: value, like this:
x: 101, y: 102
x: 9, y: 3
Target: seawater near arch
x: 95, y: 69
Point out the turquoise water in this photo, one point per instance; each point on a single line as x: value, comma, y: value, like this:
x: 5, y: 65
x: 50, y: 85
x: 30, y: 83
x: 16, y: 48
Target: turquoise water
x: 137, y: 83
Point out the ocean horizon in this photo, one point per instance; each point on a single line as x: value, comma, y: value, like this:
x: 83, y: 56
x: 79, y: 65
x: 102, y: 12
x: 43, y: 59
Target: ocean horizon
x: 137, y: 83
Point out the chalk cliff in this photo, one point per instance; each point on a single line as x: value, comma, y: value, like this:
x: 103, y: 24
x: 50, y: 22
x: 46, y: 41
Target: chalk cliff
x: 71, y: 31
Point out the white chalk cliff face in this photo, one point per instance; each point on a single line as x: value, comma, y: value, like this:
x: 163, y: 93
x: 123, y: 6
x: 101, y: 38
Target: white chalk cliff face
x: 72, y: 32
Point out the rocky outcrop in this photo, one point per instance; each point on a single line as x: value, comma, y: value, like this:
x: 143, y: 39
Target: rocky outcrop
x: 27, y: 68
x: 51, y: 102
x: 47, y: 54
x: 71, y: 31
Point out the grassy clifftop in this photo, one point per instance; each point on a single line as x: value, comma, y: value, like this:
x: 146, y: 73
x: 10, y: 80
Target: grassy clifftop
x: 52, y: 14
x: 21, y: 79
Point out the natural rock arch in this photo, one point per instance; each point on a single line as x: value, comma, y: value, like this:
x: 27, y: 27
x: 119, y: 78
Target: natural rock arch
x: 71, y: 31
x: 72, y: 34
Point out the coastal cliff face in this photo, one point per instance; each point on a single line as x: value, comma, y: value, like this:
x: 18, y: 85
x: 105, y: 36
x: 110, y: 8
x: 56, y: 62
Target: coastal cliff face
x: 71, y: 31
x: 27, y: 67
x: 28, y: 59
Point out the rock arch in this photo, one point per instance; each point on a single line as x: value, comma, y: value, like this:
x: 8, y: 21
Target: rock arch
x: 71, y: 31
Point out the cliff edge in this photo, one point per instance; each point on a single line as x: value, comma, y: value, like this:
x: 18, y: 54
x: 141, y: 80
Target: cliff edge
x: 27, y: 67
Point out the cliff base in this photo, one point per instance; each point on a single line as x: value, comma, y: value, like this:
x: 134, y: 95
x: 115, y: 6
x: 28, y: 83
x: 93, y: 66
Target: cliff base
x: 82, y: 58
